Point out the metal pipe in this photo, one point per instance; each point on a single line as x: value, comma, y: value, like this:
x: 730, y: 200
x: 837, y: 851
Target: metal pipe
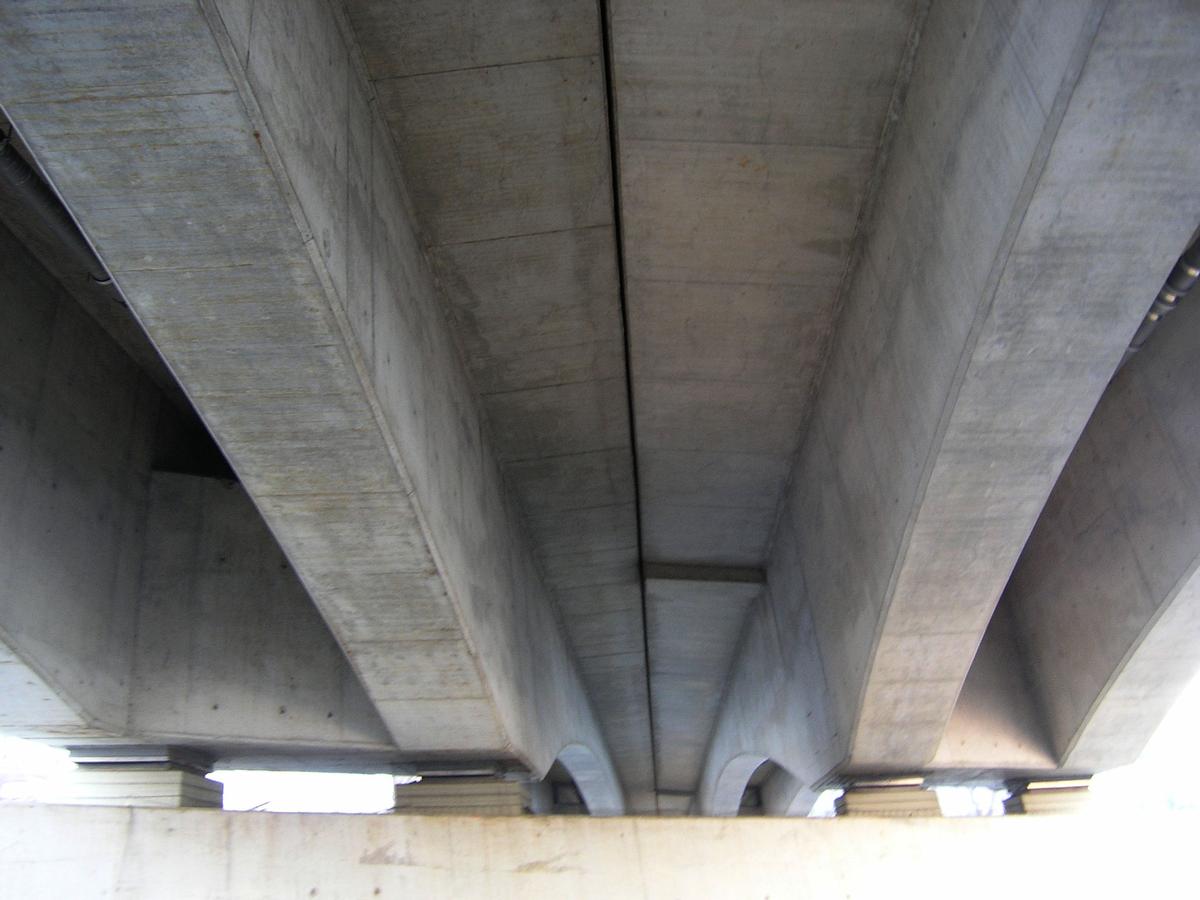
x: 1181, y: 280
x: 21, y: 180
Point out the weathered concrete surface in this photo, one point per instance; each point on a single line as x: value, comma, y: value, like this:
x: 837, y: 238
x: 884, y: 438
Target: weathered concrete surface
x: 1034, y: 360
x: 738, y: 208
x: 748, y: 133
x: 230, y: 652
x: 194, y: 854
x: 138, y: 605
x: 997, y: 725
x: 1106, y: 594
x: 32, y: 707
x: 275, y: 265
x: 765, y: 716
x: 694, y: 619
x: 36, y: 228
x: 965, y: 364
x: 500, y: 122
x: 76, y: 439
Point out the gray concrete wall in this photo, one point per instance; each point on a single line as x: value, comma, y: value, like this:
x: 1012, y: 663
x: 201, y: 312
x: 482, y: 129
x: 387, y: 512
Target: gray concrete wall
x: 226, y: 161
x: 138, y: 605
x: 76, y: 436
x: 53, y: 852
x: 965, y: 362
x: 1106, y: 594
x: 997, y: 724
x: 230, y: 651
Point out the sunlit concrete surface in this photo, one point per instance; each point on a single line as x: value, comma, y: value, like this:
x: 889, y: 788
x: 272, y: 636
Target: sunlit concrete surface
x: 54, y: 852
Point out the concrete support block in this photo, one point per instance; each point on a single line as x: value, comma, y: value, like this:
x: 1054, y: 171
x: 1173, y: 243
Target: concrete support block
x: 1038, y: 798
x: 904, y: 799
x: 150, y: 785
x: 463, y: 796
x: 161, y: 777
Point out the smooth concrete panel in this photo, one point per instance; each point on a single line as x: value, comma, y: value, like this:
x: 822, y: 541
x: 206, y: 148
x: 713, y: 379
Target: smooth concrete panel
x: 427, y: 36
x: 594, y: 528
x: 706, y: 535
x: 764, y: 71
x: 732, y: 417
x: 739, y: 213
x: 607, y: 633
x: 500, y: 151
x: 730, y: 332
x: 595, y: 599
x: 560, y: 420
x: 592, y: 568
x: 694, y: 628
x: 575, y: 481
x: 536, y: 311
x: 708, y: 478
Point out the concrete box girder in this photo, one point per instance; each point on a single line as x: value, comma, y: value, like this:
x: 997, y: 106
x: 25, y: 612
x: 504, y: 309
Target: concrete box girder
x: 235, y: 182
x: 502, y: 128
x: 748, y: 134
x: 963, y: 368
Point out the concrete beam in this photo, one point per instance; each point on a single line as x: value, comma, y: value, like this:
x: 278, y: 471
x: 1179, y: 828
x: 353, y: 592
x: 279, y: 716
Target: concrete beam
x: 232, y: 173
x: 1106, y: 596
x: 499, y: 117
x: 41, y: 230
x: 1027, y: 173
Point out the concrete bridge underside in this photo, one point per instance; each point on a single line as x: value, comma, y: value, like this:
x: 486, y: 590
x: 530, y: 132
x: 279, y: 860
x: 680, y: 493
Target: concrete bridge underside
x: 652, y: 390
